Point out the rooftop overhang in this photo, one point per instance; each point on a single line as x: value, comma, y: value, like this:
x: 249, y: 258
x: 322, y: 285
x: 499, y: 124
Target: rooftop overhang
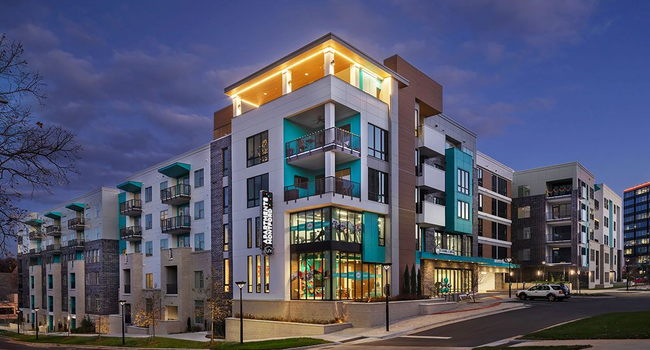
x: 54, y: 215
x: 320, y: 45
x: 130, y: 186
x: 34, y: 222
x: 176, y: 170
x: 76, y: 206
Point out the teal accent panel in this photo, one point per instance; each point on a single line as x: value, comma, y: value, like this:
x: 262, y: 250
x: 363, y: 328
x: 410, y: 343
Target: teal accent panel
x: 354, y: 121
x: 79, y: 256
x: 130, y: 186
x: 56, y: 259
x: 355, y: 169
x: 176, y: 170
x: 34, y: 222
x: 370, y: 249
x: 121, y: 223
x: 294, y: 131
x: 611, y: 223
x: 76, y: 206
x: 457, y: 159
x: 54, y: 215
x: 468, y: 259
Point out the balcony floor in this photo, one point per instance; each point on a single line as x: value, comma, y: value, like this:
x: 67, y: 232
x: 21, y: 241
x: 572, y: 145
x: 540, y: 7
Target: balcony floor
x: 315, y: 159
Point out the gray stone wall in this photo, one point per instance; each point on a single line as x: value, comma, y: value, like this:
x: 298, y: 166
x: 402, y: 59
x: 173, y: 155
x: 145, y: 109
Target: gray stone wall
x: 108, y: 268
x: 217, y: 213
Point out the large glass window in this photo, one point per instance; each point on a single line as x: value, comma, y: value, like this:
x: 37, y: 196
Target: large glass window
x: 257, y: 149
x: 253, y: 187
x: 381, y: 231
x: 334, y: 275
x: 377, y: 142
x: 463, y: 181
x: 377, y: 186
x: 225, y: 160
x: 324, y: 224
x: 463, y: 210
x: 199, y: 178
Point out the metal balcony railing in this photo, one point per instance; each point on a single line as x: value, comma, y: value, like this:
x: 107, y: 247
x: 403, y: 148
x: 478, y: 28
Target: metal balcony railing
x: 321, y: 186
x: 77, y: 224
x: 321, y: 139
x: 76, y: 243
x: 132, y: 207
x: 557, y: 191
x: 175, y: 195
x: 54, y: 247
x: 131, y: 233
x: 35, y: 235
x: 53, y: 230
x: 176, y: 224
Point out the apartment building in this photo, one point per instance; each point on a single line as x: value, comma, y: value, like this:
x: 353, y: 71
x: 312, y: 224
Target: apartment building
x: 606, y: 245
x: 67, y: 262
x: 324, y: 142
x: 165, y: 261
x: 636, y: 234
x: 556, y: 223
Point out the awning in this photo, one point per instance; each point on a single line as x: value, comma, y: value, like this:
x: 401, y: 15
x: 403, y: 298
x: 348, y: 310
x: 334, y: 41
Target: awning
x: 130, y: 186
x: 176, y: 170
x: 76, y: 206
x: 467, y: 259
x: 55, y: 215
x: 34, y: 222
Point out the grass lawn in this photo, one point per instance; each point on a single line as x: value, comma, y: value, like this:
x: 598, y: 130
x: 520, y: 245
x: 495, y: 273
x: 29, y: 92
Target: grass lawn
x: 161, y: 342
x: 560, y: 347
x: 617, y: 325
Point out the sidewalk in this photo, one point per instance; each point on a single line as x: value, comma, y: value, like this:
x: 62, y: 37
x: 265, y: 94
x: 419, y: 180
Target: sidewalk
x: 597, y: 344
x: 195, y: 336
x: 485, y: 306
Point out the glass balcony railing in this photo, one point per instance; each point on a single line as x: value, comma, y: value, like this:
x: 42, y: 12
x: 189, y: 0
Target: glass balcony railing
x: 175, y: 195
x: 323, y: 140
x: 321, y: 186
x: 131, y: 207
x: 176, y: 224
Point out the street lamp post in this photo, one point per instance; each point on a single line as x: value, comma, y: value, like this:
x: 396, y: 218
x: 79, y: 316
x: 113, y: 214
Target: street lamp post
x: 387, y: 295
x: 36, y: 310
x: 18, y: 319
x: 69, y: 325
x: 544, y: 268
x: 122, y: 303
x: 509, y: 261
x: 241, y: 285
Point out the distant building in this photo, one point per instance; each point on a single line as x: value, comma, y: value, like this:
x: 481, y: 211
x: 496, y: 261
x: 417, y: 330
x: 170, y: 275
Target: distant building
x: 636, y: 231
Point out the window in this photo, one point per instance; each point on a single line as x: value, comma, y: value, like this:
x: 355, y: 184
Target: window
x: 463, y: 181
x: 50, y: 282
x: 137, y: 247
x: 226, y: 199
x: 257, y: 149
x: 258, y: 274
x: 523, y: 190
x: 225, y: 160
x: 249, y: 233
x: 199, y: 210
x: 254, y: 185
x: 479, y: 176
x: 249, y: 277
x: 147, y: 194
x: 480, y: 228
x: 163, y: 185
x: 226, y: 275
x: 525, y: 233
x: 258, y: 230
x: 199, y: 242
x: 198, y: 280
x: 164, y: 244
x: 381, y: 231
x: 377, y: 142
x: 198, y: 312
x: 183, y: 241
x: 377, y: 186
x: 149, y: 280
x: 73, y: 280
x: 148, y: 222
x: 148, y: 248
x: 523, y: 212
x: 198, y: 178
x: 73, y: 305
x: 226, y: 238
x: 31, y: 282
x: 463, y: 210
x: 480, y: 202
x: 524, y: 254
x: 267, y: 273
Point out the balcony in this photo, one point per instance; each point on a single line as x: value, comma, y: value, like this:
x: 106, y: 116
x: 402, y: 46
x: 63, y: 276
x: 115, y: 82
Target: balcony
x: 308, y: 151
x: 560, y: 190
x: 176, y: 195
x: 172, y: 288
x: 77, y: 244
x: 321, y: 186
x: 430, y: 141
x: 54, y: 248
x: 431, y: 213
x: 53, y: 230
x: 77, y: 224
x: 131, y: 233
x: 432, y: 178
x: 35, y: 235
x: 176, y: 225
x: 132, y: 207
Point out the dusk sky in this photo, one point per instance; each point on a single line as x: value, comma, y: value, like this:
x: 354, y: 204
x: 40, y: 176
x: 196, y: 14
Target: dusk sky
x: 540, y: 82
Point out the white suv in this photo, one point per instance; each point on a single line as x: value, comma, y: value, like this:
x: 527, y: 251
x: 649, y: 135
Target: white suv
x: 552, y: 292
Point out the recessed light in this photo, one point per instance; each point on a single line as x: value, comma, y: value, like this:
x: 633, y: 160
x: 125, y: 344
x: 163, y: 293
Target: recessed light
x: 306, y: 73
x: 265, y: 94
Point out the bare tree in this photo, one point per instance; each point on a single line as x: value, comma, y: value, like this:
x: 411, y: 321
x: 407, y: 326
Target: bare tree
x: 33, y: 155
x: 149, y: 310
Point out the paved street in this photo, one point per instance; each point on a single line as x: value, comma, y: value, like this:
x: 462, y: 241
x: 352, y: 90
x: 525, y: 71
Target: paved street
x: 492, y: 328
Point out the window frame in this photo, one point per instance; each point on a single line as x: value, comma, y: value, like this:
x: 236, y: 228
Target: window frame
x: 377, y: 149
x: 257, y: 150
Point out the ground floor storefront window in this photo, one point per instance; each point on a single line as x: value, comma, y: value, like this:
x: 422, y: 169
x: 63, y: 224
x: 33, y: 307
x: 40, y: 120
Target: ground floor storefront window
x: 335, y: 275
x: 452, y: 280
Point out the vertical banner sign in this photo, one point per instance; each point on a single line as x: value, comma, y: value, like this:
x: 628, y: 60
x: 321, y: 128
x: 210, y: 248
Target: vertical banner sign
x: 267, y: 222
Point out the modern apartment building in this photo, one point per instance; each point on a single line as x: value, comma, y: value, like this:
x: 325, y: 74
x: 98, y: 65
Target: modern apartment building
x: 165, y: 230
x: 67, y: 261
x: 344, y: 165
x: 557, y: 217
x: 606, y: 245
x: 636, y: 234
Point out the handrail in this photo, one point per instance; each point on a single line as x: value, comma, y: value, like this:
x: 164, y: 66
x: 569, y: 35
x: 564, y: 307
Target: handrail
x: 330, y: 184
x: 324, y: 137
x: 175, y: 191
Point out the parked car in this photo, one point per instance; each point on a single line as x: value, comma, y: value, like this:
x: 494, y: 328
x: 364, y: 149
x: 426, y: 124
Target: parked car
x: 552, y: 292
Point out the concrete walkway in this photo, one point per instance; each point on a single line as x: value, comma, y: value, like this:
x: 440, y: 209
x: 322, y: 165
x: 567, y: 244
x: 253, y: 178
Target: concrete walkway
x: 194, y: 336
x: 485, y: 306
x: 597, y: 344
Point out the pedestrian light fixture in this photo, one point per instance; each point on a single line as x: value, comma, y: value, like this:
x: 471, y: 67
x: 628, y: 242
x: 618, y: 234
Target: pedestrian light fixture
x: 387, y: 295
x: 241, y: 285
x: 122, y: 303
